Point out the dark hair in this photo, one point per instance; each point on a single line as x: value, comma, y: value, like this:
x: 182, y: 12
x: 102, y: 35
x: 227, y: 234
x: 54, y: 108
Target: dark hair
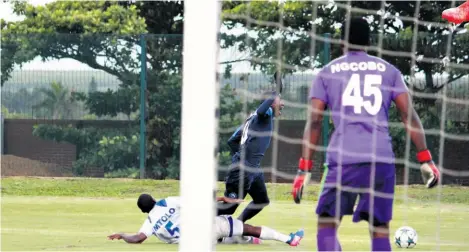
x: 146, y: 202
x: 359, y: 32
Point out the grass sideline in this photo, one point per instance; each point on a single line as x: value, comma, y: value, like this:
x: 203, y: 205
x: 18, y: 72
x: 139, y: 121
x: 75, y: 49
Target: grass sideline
x: 76, y: 214
x: 124, y: 188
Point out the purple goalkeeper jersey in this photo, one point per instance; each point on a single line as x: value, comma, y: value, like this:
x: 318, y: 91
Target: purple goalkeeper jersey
x: 358, y: 89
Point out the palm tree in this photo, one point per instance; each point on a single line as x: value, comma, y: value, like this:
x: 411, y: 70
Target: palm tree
x: 56, y: 101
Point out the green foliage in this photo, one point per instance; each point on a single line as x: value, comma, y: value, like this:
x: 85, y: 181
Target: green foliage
x: 170, y: 170
x: 457, y: 127
x: 93, y: 86
x: 89, y: 31
x: 106, y: 148
x: 41, y: 33
x: 20, y: 104
x: 56, y: 102
x: 119, y: 149
x: 110, y: 103
x: 132, y: 173
x: 69, y: 133
x: 118, y: 152
x: 224, y: 156
x: 89, y: 117
x: 7, y: 115
x: 295, y: 18
x: 261, y: 41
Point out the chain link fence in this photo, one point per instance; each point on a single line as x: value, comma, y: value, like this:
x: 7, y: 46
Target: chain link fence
x: 115, y: 106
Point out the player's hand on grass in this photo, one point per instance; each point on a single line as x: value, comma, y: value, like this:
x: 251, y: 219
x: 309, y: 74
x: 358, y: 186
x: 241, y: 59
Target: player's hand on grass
x: 301, y: 179
x: 428, y: 169
x: 115, y: 236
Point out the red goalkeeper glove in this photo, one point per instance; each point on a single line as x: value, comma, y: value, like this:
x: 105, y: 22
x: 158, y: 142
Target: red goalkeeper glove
x: 430, y: 174
x: 301, y: 179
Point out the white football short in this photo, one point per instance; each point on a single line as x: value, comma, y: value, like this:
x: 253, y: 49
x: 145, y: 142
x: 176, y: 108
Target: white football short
x: 227, y: 226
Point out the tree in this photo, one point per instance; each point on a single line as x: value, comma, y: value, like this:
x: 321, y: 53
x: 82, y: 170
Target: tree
x: 56, y: 101
x: 93, y: 87
x: 90, y: 31
x: 8, y: 115
x: 108, y: 36
x: 83, y: 31
x: 268, y: 24
x: 294, y: 26
x: 21, y: 101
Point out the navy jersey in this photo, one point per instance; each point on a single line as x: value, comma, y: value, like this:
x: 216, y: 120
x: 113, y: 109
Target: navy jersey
x: 251, y: 140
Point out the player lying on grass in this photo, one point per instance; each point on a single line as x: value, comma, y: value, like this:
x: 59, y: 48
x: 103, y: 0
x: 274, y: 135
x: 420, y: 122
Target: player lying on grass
x: 248, y: 145
x: 358, y: 89
x: 163, y: 222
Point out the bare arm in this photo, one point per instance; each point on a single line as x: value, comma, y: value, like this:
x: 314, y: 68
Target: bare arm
x: 313, y: 127
x: 228, y: 200
x: 135, y: 238
x: 411, y: 121
x: 430, y: 173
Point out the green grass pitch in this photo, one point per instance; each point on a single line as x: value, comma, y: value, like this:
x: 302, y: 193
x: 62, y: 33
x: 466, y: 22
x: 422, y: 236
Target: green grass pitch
x: 77, y: 215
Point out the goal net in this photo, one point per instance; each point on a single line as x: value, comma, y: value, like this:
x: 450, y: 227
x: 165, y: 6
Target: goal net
x: 296, y: 39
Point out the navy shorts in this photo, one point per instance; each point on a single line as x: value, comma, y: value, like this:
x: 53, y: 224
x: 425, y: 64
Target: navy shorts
x: 239, y: 183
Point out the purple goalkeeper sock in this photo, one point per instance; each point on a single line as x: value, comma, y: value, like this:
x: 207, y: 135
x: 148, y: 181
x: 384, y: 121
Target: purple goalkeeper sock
x: 380, y: 244
x: 327, y: 240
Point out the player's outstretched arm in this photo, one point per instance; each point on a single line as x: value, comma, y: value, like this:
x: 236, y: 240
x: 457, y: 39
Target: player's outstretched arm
x: 235, y: 140
x: 311, y: 136
x: 264, y: 107
x: 413, y: 125
x: 229, y: 200
x: 135, y: 238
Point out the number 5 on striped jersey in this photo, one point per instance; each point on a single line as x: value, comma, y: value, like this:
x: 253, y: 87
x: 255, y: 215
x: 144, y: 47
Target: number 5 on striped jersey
x: 172, y: 231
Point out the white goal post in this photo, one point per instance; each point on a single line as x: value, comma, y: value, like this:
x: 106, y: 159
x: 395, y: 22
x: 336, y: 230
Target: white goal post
x: 199, y: 124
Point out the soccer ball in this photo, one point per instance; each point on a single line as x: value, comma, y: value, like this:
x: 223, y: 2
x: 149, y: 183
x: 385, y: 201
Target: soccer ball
x: 405, y: 237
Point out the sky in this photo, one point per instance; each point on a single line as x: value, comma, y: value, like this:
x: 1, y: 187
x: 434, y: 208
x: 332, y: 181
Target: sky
x: 6, y: 13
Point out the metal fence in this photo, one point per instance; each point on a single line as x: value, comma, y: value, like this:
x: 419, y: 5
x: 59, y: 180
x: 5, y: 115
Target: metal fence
x: 135, y: 82
x: 113, y: 63
x: 25, y: 94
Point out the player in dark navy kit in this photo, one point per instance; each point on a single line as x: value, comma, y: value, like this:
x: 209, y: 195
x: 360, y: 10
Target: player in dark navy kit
x: 359, y: 89
x: 248, y: 145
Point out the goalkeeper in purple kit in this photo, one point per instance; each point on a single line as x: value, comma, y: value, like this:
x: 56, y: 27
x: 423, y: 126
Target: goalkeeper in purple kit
x: 358, y: 89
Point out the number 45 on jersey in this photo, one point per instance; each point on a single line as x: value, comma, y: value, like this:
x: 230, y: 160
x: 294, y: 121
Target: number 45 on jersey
x: 352, y: 95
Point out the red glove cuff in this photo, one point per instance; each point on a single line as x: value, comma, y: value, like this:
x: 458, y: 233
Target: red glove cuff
x: 305, y: 165
x: 424, y: 156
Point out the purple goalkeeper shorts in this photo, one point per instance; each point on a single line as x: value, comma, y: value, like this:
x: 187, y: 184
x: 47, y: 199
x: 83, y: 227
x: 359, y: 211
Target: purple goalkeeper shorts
x: 355, y: 181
